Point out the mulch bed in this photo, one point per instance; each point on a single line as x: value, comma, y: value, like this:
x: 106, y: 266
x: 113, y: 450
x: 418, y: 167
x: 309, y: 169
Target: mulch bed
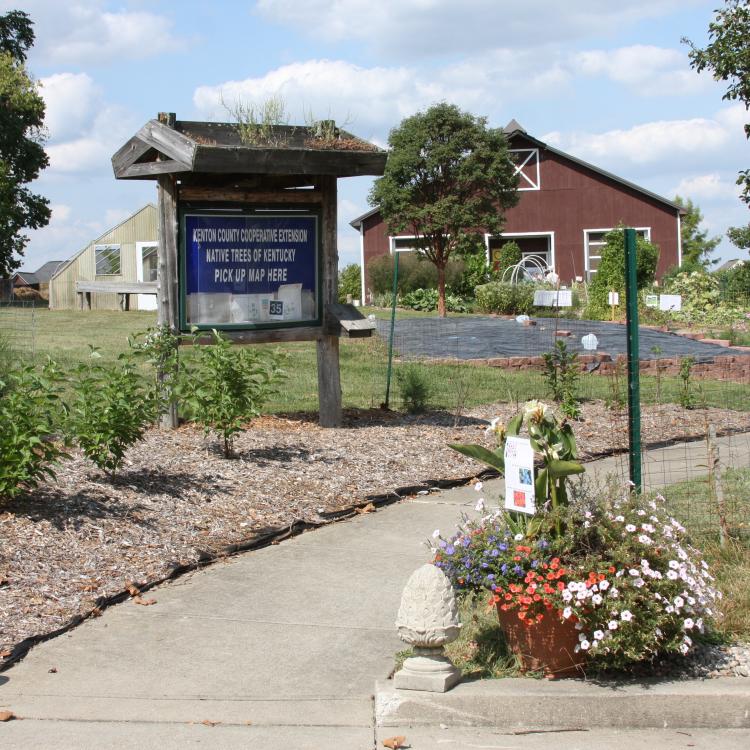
x: 72, y: 543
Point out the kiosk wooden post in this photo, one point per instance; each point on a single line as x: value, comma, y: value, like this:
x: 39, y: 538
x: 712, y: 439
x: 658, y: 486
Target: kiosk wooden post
x: 206, y: 167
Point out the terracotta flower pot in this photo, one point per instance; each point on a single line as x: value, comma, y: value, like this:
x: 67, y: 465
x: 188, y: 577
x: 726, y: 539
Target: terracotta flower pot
x: 546, y: 646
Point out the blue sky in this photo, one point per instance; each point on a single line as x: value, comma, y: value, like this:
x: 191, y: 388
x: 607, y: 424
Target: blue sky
x: 607, y: 81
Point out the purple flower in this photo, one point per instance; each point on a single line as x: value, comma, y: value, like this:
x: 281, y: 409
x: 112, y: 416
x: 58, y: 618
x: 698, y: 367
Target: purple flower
x: 502, y: 547
x: 504, y: 568
x: 494, y: 553
x: 450, y: 549
x: 518, y: 570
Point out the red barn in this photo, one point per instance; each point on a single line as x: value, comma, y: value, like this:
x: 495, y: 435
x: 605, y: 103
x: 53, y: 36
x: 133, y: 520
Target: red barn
x: 565, y: 208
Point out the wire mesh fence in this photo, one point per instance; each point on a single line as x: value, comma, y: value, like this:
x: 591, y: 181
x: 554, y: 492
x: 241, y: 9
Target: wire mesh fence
x: 17, y: 329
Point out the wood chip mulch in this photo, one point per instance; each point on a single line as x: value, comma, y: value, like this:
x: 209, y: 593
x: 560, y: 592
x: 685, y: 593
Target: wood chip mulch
x: 177, y: 500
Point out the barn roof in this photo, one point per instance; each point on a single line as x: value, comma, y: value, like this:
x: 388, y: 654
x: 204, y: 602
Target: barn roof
x: 184, y: 147
x: 42, y: 275
x: 514, y: 129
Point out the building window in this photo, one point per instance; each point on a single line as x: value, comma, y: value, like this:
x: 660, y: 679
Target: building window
x: 594, y: 242
x: 404, y: 244
x: 108, y: 260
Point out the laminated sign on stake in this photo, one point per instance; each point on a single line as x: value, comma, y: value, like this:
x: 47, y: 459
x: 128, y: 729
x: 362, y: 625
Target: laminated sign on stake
x: 519, y: 475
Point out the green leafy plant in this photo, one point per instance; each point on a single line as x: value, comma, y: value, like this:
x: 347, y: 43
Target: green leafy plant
x: 617, y: 385
x: 414, y: 272
x: 30, y: 415
x: 414, y: 388
x: 561, y: 374
x: 159, y: 346
x: 426, y: 300
x: 687, y: 396
x: 259, y: 124
x: 111, y: 409
x: 506, y: 298
x: 225, y: 386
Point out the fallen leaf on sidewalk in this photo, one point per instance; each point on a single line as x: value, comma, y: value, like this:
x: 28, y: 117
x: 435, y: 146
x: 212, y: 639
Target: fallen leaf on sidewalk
x: 7, y: 715
x: 132, y: 589
x: 5, y: 652
x: 209, y: 723
x: 144, y: 602
x: 394, y: 743
x: 52, y: 670
x: 369, y: 508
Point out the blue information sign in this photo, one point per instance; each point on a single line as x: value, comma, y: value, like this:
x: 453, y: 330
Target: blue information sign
x: 249, y: 269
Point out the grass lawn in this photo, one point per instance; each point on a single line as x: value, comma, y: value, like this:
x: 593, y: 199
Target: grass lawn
x: 65, y: 335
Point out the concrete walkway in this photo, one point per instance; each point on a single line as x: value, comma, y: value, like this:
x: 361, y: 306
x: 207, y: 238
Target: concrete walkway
x: 282, y: 648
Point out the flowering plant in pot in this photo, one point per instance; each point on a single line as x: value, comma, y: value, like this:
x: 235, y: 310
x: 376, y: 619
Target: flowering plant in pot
x: 604, y: 577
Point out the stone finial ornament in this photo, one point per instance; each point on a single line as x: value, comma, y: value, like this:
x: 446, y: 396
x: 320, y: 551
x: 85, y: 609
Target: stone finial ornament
x: 427, y: 620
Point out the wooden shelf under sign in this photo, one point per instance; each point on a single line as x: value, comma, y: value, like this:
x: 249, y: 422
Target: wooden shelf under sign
x: 347, y: 321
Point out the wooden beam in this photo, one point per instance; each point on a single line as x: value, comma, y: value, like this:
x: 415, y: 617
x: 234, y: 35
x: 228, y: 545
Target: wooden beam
x: 168, y: 141
x: 269, y: 336
x: 144, y: 170
x: 329, y: 375
x: 133, y: 150
x: 195, y: 193
x: 118, y: 287
x: 167, y: 268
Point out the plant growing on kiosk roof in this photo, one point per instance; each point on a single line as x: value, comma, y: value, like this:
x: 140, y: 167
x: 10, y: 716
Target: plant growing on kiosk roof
x: 615, y: 564
x: 225, y: 386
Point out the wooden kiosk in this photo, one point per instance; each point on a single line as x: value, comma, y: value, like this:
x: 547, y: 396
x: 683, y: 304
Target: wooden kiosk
x: 247, y: 232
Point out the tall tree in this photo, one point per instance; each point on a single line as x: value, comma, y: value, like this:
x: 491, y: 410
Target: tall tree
x: 740, y: 237
x: 697, y: 246
x: 727, y: 56
x: 22, y: 154
x: 448, y: 178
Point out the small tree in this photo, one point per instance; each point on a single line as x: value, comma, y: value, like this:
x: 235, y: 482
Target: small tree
x: 448, y: 176
x: 697, y: 246
x: 349, y: 282
x: 727, y: 56
x: 22, y: 155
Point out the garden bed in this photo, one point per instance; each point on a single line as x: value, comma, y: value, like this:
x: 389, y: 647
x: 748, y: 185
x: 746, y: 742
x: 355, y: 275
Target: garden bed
x: 177, y: 500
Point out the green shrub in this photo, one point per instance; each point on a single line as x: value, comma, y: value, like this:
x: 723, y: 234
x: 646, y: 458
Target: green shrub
x: 414, y: 388
x: 224, y: 386
x: 701, y: 300
x: 510, y: 255
x: 30, y: 415
x: 112, y: 407
x: 414, y: 272
x: 476, y: 272
x: 349, y: 282
x: 426, y: 300
x: 735, y: 284
x: 610, y: 275
x: 506, y: 298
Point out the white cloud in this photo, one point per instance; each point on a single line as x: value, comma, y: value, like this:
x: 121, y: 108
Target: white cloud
x: 60, y: 213
x: 70, y: 100
x: 711, y: 187
x: 651, y: 142
x: 425, y: 28
x: 77, y: 33
x: 649, y: 70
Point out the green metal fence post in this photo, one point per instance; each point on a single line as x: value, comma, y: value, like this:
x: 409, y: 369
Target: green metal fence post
x: 393, y: 323
x: 634, y: 384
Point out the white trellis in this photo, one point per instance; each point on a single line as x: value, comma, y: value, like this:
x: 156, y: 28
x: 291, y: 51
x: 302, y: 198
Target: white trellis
x: 521, y: 269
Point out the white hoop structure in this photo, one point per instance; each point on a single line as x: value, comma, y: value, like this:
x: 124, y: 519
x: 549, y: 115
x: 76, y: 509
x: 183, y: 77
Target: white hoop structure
x: 520, y: 268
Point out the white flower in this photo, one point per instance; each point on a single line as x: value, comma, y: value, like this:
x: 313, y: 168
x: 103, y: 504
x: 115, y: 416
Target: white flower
x: 586, y: 524
x: 684, y: 648
x: 674, y: 564
x: 672, y: 575
x: 699, y: 624
x: 537, y: 411
x: 639, y: 583
x: 686, y: 639
x: 585, y: 645
x: 567, y: 595
x: 478, y: 486
x: 691, y: 600
x: 613, y: 624
x: 603, y: 585
x: 669, y: 609
x: 681, y: 554
x: 614, y: 593
x: 688, y: 624
x: 641, y: 512
x: 630, y: 527
x: 579, y: 626
x: 479, y: 507
x: 620, y: 518
x: 643, y: 539
x: 598, y: 635
x: 634, y: 572
x: 647, y: 527
x: 436, y: 533
x: 518, y: 537
x: 567, y: 612
x: 626, y: 615
x: 658, y: 633
x: 679, y: 602
x: 596, y: 599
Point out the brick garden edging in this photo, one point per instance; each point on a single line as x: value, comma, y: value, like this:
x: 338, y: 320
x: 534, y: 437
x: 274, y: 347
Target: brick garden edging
x: 735, y: 368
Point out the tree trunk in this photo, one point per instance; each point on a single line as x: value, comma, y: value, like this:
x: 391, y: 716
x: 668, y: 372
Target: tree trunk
x: 441, y: 292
